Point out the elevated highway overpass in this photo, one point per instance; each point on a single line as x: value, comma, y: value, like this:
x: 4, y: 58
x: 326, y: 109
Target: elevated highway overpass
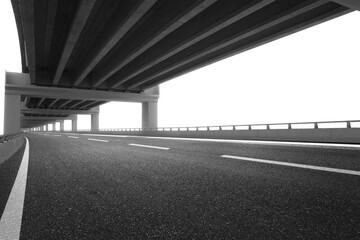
x: 172, y: 183
x: 77, y: 55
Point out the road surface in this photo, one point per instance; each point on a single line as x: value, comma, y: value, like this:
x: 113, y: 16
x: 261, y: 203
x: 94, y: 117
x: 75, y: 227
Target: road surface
x: 123, y: 187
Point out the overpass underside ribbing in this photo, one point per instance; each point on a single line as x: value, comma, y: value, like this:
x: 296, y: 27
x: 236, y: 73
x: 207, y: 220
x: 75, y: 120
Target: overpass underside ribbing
x: 125, y: 48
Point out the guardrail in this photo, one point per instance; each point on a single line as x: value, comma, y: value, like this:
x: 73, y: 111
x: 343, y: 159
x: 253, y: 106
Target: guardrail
x: 265, y: 126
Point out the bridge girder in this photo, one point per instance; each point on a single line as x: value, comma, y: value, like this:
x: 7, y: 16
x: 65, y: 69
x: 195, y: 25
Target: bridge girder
x: 78, y: 55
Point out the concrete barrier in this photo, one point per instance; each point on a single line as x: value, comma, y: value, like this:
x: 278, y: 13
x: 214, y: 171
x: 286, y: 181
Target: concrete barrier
x: 333, y: 135
x: 7, y: 149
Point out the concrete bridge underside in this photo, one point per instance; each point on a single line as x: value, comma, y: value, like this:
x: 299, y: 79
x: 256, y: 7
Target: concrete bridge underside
x: 77, y: 55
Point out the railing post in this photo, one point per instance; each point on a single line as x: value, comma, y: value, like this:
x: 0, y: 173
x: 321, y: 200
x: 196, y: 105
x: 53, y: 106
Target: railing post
x: 289, y: 126
x: 348, y: 124
x: 249, y: 127
x: 316, y: 126
x: 234, y: 128
x: 267, y: 126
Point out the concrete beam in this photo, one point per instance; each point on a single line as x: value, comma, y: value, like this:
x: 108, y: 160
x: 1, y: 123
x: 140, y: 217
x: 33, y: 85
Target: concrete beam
x: 89, y: 105
x: 65, y: 103
x: 285, y: 16
x: 19, y: 83
x: 28, y: 21
x: 77, y: 104
x: 78, y: 24
x: 277, y: 35
x: 133, y: 17
x: 116, y: 65
x: 40, y: 102
x: 53, y: 102
x: 353, y: 4
x: 116, y: 80
x: 56, y: 111
x: 50, y: 24
x: 44, y: 118
x: 27, y: 100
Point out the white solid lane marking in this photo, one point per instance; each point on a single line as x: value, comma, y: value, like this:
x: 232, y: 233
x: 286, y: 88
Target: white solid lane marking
x: 72, y: 137
x: 148, y: 146
x: 327, y: 169
x: 10, y: 222
x: 258, y: 142
x: 97, y: 140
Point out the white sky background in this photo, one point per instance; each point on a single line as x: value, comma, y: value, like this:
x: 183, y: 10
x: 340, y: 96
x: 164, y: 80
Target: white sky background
x: 312, y: 75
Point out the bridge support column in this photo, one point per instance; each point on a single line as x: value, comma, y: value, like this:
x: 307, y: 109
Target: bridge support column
x: 149, y: 115
x: 95, y: 122
x: 12, y: 114
x: 149, y: 110
x: 74, y: 123
x: 62, y: 126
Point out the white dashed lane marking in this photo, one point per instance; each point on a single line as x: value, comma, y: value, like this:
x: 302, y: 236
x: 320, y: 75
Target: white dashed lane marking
x: 97, y: 140
x: 326, y: 169
x: 148, y: 146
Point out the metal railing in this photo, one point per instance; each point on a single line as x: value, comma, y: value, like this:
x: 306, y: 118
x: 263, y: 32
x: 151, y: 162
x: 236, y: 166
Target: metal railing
x: 5, y: 138
x: 258, y: 126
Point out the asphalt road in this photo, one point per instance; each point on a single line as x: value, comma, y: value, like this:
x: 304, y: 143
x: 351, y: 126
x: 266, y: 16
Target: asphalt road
x: 98, y: 187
